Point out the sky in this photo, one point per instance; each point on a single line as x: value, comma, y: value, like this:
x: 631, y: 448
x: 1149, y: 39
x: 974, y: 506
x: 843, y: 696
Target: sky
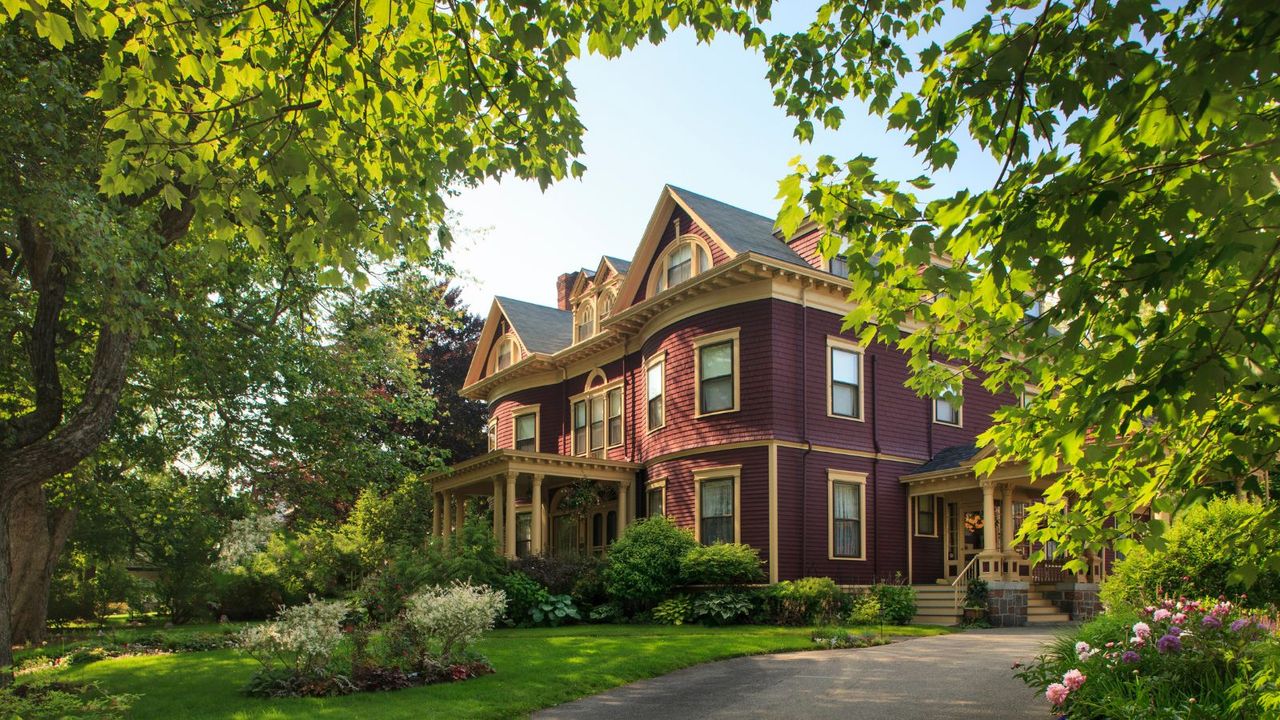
x: 697, y: 116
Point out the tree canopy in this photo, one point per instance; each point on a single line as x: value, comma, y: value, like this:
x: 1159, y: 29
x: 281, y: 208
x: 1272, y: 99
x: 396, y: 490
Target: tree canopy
x: 1123, y: 264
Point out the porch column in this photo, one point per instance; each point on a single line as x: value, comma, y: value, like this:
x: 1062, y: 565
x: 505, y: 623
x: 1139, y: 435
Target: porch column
x: 946, y: 537
x: 460, y: 518
x: 446, y: 519
x: 536, y: 545
x: 624, y: 490
x: 511, y: 515
x: 1006, y: 529
x: 437, y: 515
x: 990, y: 558
x: 497, y: 511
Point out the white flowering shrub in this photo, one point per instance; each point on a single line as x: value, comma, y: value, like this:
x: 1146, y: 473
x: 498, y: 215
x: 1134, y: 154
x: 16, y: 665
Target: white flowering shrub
x: 246, y: 538
x: 301, y: 639
x: 448, y: 620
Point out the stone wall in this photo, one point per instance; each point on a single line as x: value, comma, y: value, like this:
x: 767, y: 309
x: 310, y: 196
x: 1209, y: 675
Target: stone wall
x: 1007, y: 604
x: 1077, y: 599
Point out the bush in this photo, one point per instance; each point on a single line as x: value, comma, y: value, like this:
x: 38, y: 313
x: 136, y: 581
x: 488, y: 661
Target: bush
x: 382, y: 594
x: 557, y: 574
x: 644, y: 564
x: 551, y: 610
x: 1181, y: 659
x: 242, y: 594
x: 865, y: 609
x: 44, y: 699
x: 807, y: 601
x: 589, y: 589
x: 606, y: 613
x: 723, y: 607
x: 897, y: 602
x: 446, y: 621
x: 1199, y: 559
x: 523, y: 594
x: 676, y: 610
x: 976, y: 594
x: 720, y: 564
x: 297, y: 646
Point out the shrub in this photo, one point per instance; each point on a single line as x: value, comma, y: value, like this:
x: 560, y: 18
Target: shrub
x: 865, y: 609
x: 676, y: 610
x: 382, y: 594
x: 976, y: 594
x: 1198, y: 560
x: 559, y: 575
x: 723, y: 607
x: 241, y: 594
x: 1180, y: 659
x: 608, y: 612
x: 523, y: 594
x: 837, y: 639
x: 589, y: 589
x: 644, y: 564
x: 446, y: 621
x: 720, y: 564
x: 807, y: 601
x: 897, y: 602
x: 43, y: 699
x: 300, y: 642
x: 472, y: 557
x: 551, y: 610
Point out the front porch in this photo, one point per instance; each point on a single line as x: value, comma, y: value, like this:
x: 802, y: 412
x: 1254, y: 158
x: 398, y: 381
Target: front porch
x: 537, y: 501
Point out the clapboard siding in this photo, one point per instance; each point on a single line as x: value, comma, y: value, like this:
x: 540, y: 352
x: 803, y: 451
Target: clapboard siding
x: 806, y: 246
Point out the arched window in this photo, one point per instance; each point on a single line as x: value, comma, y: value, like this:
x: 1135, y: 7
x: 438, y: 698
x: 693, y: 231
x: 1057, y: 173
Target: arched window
x: 585, y: 326
x: 686, y: 257
x: 606, y: 306
x: 507, y: 353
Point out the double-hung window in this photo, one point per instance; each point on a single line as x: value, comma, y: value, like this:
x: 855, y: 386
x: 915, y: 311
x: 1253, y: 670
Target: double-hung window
x: 491, y: 432
x: 614, y: 401
x: 717, y: 372
x: 946, y: 409
x: 845, y: 364
x: 527, y: 432
x: 524, y: 534
x: 580, y: 427
x: 654, y: 390
x: 840, y: 266
x: 654, y: 498
x: 846, y: 501
x: 680, y: 265
x: 717, y: 510
x: 926, y: 516
x: 597, y: 426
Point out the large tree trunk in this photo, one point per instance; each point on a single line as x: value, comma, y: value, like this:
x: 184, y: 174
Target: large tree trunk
x: 6, y: 641
x: 37, y: 534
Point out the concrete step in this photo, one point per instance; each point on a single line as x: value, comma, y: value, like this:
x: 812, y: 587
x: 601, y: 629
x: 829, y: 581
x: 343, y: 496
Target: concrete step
x: 1053, y: 619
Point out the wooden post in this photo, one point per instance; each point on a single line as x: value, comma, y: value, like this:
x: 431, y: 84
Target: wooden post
x: 437, y: 515
x: 460, y: 520
x: 511, y: 514
x: 497, y: 512
x: 536, y: 545
x: 446, y: 518
x: 624, y: 489
x: 991, y: 559
x: 1006, y: 526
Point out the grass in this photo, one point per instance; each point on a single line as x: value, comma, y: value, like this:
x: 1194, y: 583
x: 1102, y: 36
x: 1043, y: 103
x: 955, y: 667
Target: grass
x: 536, y: 668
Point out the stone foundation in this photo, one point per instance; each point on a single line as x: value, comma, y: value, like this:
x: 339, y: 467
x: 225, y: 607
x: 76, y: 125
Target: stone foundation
x: 1007, y: 603
x: 1077, y: 599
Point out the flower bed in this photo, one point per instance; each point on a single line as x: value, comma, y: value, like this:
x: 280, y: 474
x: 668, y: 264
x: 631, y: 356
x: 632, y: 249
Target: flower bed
x: 1183, y: 658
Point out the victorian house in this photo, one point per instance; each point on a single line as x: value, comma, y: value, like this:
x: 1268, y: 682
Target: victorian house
x: 708, y: 379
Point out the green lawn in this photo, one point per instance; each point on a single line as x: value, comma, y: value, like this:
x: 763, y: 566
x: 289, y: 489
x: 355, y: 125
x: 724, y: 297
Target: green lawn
x: 536, y: 668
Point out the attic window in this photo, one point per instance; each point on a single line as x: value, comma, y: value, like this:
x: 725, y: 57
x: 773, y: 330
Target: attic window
x: 606, y: 306
x: 585, y: 326
x: 684, y: 259
x: 506, y: 354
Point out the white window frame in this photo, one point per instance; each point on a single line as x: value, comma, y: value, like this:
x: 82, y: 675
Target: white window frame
x: 585, y: 307
x: 835, y: 343
x: 715, y: 338
x: 658, y: 359
x: 491, y: 433
x: 831, y: 266
x: 700, y: 261
x: 835, y: 477
x: 519, y: 412
x: 503, y: 342
x: 724, y: 472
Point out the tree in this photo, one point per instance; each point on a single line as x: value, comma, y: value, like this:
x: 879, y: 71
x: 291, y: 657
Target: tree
x: 1124, y: 262
x: 147, y: 141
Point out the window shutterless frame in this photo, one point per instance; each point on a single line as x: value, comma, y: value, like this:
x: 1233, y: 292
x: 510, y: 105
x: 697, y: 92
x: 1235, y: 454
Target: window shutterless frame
x: 655, y: 392
x: 716, y: 475
x: 715, y: 390
x: 845, y: 379
x: 926, y: 515
x: 846, y: 515
x: 524, y: 422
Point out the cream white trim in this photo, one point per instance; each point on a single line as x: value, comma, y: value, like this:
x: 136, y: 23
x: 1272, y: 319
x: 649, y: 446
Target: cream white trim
x: 596, y: 374
x: 838, y: 343
x: 519, y: 412
x: 700, y: 476
x: 732, y: 334
x: 599, y: 391
x: 587, y: 305
x: 650, y: 486
x: 854, y: 478
x: 773, y: 512
x: 658, y: 269
x: 916, y: 500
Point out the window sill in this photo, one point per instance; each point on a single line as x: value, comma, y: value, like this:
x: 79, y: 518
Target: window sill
x: 848, y: 559
x: 699, y: 416
x: 846, y: 417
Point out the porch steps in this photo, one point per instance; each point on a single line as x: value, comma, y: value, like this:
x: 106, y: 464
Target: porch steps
x: 936, y: 606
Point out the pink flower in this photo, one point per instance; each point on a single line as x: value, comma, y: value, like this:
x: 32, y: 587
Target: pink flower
x: 1142, y: 629
x: 1057, y: 693
x: 1083, y: 651
x: 1160, y: 614
x: 1073, y: 679
x: 1179, y: 618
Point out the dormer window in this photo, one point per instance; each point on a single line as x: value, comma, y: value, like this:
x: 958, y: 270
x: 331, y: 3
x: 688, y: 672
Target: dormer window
x: 684, y: 259
x: 606, y: 306
x: 507, y: 354
x: 585, y: 325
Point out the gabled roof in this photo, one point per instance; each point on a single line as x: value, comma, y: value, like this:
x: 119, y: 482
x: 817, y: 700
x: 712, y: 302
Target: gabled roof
x: 622, y: 266
x: 742, y: 230
x: 541, y: 329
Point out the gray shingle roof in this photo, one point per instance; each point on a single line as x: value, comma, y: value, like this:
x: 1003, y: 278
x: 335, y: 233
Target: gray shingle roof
x: 542, y: 329
x: 948, y: 458
x: 622, y: 266
x: 742, y: 230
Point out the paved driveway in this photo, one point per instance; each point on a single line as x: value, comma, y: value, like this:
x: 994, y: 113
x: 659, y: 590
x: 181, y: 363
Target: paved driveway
x: 965, y: 675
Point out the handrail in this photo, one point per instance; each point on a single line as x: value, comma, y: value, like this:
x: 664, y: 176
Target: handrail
x: 963, y: 575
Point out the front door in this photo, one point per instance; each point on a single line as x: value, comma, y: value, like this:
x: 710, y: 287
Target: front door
x: 964, y: 535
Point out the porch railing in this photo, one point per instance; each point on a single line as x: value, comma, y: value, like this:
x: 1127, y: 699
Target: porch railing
x: 970, y: 572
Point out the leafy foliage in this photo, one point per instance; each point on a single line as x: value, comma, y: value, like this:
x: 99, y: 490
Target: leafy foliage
x: 676, y: 610
x: 720, y: 564
x: 43, y: 699
x: 865, y: 609
x: 807, y: 601
x: 897, y: 602
x: 553, y: 610
x: 644, y: 564
x: 447, y: 620
x: 1202, y: 558
x: 1124, y: 260
x: 723, y: 607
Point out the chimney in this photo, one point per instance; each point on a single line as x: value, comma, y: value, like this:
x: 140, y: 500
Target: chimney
x: 564, y: 286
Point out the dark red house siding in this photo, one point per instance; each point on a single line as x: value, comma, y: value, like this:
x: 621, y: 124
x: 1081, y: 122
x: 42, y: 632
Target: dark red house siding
x: 806, y: 246
x: 685, y: 225
x: 926, y: 552
x: 754, y: 492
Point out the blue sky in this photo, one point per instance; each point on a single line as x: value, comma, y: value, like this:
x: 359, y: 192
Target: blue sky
x: 697, y: 116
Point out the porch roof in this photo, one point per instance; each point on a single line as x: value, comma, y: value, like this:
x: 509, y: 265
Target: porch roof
x: 499, y: 462
x: 952, y: 469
